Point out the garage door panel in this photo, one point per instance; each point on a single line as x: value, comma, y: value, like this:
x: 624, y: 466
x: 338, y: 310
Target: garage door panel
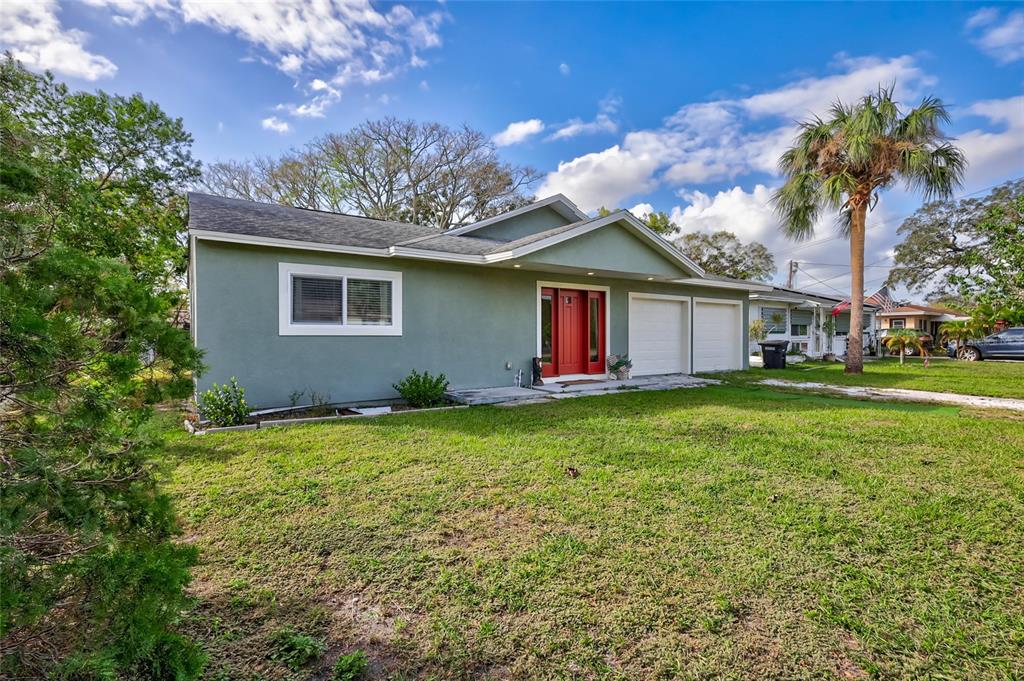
x: 717, y: 336
x: 658, y: 336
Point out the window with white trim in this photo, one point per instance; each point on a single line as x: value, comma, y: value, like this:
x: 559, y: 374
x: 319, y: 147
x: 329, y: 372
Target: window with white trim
x: 317, y: 300
x: 897, y: 323
x: 774, y: 319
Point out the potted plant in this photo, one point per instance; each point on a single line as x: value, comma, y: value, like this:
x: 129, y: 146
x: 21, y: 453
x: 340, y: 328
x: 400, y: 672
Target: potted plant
x: 619, y: 367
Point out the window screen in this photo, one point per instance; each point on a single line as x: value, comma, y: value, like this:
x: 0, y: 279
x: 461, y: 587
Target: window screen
x: 369, y: 302
x: 316, y: 300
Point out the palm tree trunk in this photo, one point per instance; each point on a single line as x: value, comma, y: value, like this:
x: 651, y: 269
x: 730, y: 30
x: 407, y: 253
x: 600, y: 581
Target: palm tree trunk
x: 855, y: 344
x: 903, y: 351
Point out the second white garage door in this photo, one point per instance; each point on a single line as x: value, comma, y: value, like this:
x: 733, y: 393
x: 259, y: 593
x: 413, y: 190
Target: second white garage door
x: 658, y: 336
x: 717, y: 336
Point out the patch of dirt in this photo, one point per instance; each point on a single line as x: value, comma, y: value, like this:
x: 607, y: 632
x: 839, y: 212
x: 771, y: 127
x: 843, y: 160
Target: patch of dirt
x: 357, y: 623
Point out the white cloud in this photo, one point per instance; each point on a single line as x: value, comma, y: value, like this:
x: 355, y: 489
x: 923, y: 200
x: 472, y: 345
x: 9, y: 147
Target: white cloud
x: 132, y: 12
x: 564, y: 69
x: 344, y: 43
x: 34, y: 35
x: 576, y: 126
x: 724, y: 139
x: 602, y: 178
x: 518, y: 131
x: 290, y: 64
x: 642, y: 210
x: 276, y: 124
x: 994, y: 155
x: 424, y: 86
x: 1000, y: 38
x: 858, y: 77
x: 324, y: 96
x: 603, y: 121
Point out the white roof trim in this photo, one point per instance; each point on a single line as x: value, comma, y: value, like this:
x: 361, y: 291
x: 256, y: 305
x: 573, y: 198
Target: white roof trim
x: 714, y: 283
x: 407, y: 251
x: 558, y: 202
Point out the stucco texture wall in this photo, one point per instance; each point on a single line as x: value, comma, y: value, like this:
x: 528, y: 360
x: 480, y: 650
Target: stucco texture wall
x: 466, y: 321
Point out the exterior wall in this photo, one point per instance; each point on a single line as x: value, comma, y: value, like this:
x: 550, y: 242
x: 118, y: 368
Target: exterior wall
x: 519, y: 226
x: 612, y: 248
x: 813, y: 339
x: 466, y: 321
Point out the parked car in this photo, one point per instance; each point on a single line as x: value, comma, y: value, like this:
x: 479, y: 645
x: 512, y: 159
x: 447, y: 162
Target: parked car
x: 1007, y: 344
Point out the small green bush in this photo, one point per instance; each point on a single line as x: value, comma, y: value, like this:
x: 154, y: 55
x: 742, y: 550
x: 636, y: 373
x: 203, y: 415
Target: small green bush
x: 295, y: 649
x: 351, y: 667
x: 422, y: 390
x: 224, y: 405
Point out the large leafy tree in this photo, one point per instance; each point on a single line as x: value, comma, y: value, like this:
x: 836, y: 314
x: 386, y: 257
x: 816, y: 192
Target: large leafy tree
x: 965, y: 249
x: 90, y: 275
x: 425, y: 173
x: 722, y: 253
x: 842, y: 162
x: 657, y: 221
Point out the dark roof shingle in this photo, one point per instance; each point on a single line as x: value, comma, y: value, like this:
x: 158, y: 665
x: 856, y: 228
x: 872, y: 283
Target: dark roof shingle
x: 236, y: 216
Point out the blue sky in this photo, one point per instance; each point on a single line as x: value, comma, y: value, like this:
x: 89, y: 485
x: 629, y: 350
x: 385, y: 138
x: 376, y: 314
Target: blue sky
x: 676, y: 107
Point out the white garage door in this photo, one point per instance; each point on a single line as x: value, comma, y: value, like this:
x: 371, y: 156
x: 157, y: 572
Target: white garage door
x: 716, y: 336
x: 658, y: 336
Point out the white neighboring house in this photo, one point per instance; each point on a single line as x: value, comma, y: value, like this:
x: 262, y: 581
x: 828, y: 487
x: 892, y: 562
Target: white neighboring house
x: 803, y: 319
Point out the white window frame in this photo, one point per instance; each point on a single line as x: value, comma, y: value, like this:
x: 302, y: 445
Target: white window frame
x: 902, y: 323
x: 286, y: 327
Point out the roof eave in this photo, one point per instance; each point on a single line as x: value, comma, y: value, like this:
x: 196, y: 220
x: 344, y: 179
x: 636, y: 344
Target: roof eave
x: 558, y: 202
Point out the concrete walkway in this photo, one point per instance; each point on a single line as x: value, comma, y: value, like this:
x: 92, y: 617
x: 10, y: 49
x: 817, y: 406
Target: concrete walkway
x: 899, y: 394
x: 552, y: 390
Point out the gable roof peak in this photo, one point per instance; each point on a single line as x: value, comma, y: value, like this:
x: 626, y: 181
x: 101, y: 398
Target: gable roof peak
x: 557, y: 202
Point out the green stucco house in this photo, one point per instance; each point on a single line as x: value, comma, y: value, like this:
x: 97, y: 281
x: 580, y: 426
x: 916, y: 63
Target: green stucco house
x: 290, y: 300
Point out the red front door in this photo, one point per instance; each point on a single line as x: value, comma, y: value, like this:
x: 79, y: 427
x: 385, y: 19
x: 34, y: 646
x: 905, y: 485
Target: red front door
x: 572, y: 332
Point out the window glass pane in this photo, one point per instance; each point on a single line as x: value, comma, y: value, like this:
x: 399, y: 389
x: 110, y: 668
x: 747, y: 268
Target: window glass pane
x: 800, y: 316
x: 316, y: 300
x: 799, y: 330
x: 545, y: 329
x: 774, y: 319
x: 369, y: 302
x: 595, y: 332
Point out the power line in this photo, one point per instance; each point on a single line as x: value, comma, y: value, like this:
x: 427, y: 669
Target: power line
x: 824, y: 284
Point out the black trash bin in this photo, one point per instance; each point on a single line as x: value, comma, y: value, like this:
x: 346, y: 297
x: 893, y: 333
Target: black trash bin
x: 774, y: 354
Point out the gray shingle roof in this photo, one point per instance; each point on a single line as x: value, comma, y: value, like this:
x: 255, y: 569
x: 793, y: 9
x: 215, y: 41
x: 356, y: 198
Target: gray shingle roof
x: 464, y: 245
x: 539, y: 236
x: 236, y: 216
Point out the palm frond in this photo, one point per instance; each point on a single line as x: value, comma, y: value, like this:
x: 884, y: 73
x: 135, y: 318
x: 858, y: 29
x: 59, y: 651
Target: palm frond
x: 798, y: 203
x: 935, y: 172
x: 923, y: 121
x: 837, y: 187
x: 844, y: 222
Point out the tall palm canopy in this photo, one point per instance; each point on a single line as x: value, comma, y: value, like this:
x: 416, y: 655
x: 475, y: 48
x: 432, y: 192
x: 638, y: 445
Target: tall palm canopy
x: 842, y: 162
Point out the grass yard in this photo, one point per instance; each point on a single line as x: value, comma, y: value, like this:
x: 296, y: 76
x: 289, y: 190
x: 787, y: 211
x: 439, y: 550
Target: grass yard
x: 994, y: 379
x: 720, y: 532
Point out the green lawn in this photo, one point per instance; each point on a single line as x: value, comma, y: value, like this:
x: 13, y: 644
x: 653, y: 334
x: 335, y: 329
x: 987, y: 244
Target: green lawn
x: 995, y: 379
x: 720, y: 532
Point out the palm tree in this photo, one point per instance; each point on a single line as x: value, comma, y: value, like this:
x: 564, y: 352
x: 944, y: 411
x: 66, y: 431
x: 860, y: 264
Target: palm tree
x: 903, y: 340
x: 842, y: 163
x: 958, y: 331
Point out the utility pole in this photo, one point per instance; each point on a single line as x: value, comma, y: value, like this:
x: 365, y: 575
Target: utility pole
x: 791, y: 279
